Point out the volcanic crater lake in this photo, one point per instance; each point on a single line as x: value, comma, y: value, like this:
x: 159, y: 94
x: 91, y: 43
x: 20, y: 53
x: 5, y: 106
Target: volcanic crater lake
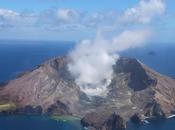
x: 19, y: 56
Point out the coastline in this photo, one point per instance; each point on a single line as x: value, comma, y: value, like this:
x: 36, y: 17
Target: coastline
x: 73, y: 120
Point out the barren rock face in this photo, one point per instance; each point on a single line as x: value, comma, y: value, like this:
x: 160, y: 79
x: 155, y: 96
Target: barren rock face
x: 134, y: 90
x: 44, y: 87
x: 104, y: 120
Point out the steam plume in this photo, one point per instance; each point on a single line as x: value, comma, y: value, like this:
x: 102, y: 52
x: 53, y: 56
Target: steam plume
x: 92, y: 60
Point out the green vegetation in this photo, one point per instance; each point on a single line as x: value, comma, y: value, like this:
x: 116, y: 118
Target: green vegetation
x: 7, y: 107
x: 74, y: 121
x: 65, y: 118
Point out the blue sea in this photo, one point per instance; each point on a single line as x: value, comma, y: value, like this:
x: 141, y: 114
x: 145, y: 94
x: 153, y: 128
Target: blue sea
x: 19, y: 56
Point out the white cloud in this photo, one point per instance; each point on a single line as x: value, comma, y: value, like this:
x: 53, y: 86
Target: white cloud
x: 6, y: 13
x: 57, y: 19
x: 68, y: 15
x: 63, y: 16
x: 60, y: 19
x: 67, y: 20
x: 100, y: 19
x: 11, y: 19
x: 144, y: 11
x: 7, y: 17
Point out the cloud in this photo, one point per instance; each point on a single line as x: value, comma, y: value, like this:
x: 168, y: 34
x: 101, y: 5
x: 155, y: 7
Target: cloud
x: 11, y: 19
x: 99, y: 19
x: 55, y: 19
x: 144, y: 11
x: 71, y: 21
x: 60, y: 15
x: 7, y: 17
x: 8, y: 13
x: 68, y: 15
x: 60, y: 19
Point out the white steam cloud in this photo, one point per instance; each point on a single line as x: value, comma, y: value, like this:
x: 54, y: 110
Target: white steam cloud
x: 92, y: 60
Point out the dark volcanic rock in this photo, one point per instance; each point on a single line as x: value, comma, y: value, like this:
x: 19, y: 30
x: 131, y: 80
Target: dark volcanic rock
x: 138, y: 79
x: 154, y: 110
x: 50, y: 89
x: 136, y: 118
x: 58, y: 108
x: 103, y: 121
x: 114, y: 122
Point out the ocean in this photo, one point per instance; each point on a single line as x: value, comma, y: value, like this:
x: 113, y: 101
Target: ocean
x: 19, y: 56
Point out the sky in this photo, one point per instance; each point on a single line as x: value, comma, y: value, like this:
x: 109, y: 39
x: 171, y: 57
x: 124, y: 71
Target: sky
x: 74, y: 20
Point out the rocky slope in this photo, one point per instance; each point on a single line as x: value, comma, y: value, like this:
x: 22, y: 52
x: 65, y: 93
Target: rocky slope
x: 135, y: 92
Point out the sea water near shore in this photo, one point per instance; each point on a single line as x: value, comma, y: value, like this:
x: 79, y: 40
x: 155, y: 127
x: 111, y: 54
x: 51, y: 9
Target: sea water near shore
x: 24, y: 122
x: 19, y: 56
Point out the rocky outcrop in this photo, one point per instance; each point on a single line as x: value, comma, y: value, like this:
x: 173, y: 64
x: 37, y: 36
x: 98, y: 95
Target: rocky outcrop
x: 103, y: 121
x: 136, y: 92
x: 154, y: 110
x: 138, y: 78
x: 136, y: 118
x: 58, y: 109
x: 114, y: 122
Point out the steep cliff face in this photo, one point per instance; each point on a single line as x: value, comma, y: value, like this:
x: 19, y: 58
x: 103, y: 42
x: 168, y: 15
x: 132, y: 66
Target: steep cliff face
x: 103, y: 120
x: 134, y: 90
